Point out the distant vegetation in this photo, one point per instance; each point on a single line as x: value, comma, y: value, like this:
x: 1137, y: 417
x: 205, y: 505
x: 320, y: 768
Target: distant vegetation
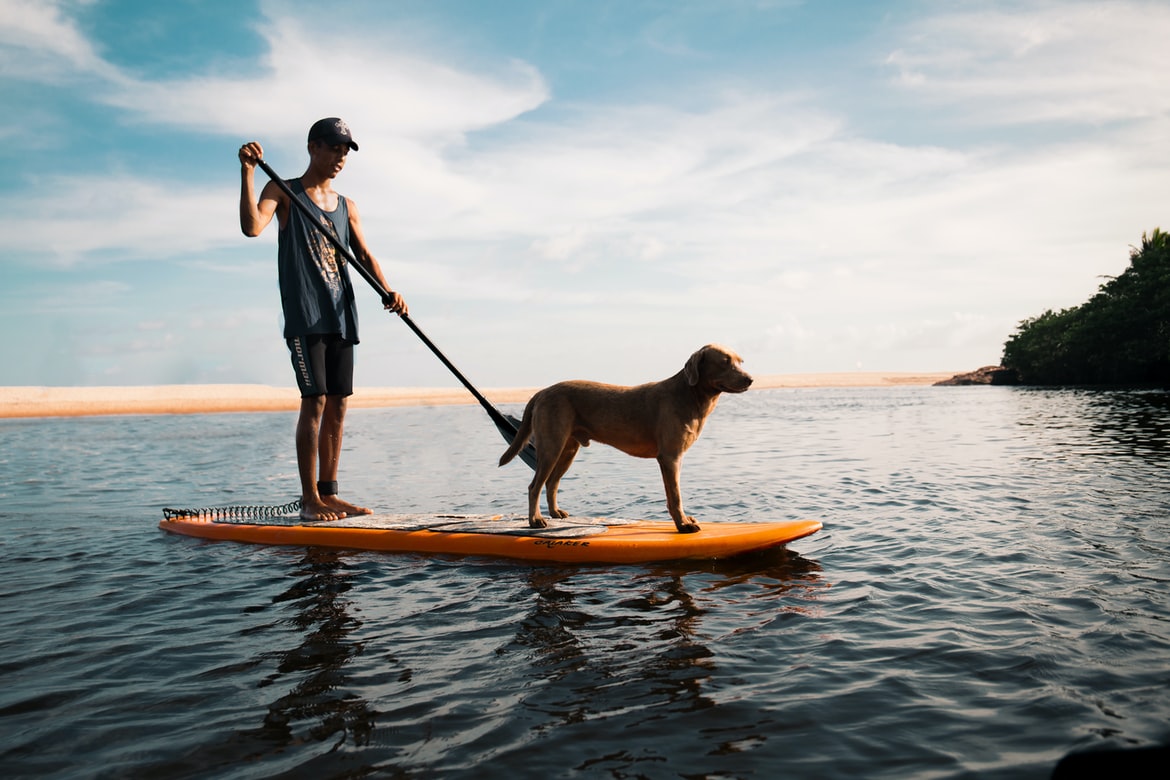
x: 1120, y: 336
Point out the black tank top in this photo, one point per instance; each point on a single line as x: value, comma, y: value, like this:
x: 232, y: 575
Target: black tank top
x: 315, y: 290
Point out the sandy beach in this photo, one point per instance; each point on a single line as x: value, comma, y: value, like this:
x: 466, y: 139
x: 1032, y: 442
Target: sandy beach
x: 205, y: 399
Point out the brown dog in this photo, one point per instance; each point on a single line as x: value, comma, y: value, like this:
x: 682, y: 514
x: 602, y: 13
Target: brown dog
x: 655, y: 420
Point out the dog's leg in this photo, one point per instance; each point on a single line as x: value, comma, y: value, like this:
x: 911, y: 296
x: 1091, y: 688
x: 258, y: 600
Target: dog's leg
x: 544, y: 467
x: 671, y: 466
x: 548, y: 472
x: 554, y: 479
x: 535, y: 520
x: 551, y: 428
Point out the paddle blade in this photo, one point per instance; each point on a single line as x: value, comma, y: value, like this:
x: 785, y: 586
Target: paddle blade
x: 508, y: 426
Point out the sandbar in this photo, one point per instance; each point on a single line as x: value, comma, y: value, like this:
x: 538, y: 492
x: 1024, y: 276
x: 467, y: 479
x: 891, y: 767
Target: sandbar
x: 32, y: 401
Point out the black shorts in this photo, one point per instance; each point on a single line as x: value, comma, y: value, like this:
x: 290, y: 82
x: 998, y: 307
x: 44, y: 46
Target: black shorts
x: 323, y: 364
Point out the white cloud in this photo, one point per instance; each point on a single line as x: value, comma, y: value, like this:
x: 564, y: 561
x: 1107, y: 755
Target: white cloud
x: 382, y: 91
x: 70, y: 218
x: 39, y: 42
x: 1090, y: 63
x: 755, y: 178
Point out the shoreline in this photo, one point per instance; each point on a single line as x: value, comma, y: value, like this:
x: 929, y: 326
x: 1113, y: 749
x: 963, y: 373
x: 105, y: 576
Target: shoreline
x: 33, y: 401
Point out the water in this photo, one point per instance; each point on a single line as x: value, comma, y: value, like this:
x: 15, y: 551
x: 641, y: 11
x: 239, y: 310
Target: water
x: 988, y: 594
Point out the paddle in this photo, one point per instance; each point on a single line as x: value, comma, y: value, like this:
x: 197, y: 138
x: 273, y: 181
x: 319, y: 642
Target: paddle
x: 507, y: 424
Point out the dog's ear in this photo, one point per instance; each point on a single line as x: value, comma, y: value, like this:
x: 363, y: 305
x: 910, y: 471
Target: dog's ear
x: 691, y: 369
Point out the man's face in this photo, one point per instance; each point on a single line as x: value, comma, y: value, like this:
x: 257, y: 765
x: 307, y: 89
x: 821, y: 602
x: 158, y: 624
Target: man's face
x: 329, y: 159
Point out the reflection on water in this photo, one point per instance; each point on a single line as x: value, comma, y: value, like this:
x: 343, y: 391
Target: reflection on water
x: 768, y: 580
x: 1106, y: 422
x: 320, y: 698
x: 317, y: 710
x: 1138, y: 423
x: 610, y: 656
x: 583, y: 658
x: 646, y: 639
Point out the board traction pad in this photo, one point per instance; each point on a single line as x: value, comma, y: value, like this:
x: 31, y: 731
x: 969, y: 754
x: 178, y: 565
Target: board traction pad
x: 511, y: 525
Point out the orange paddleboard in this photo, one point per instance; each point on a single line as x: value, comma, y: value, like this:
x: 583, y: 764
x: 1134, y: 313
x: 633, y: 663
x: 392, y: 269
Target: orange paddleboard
x: 576, y: 540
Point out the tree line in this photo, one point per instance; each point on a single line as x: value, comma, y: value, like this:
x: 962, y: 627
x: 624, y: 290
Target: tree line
x: 1120, y: 336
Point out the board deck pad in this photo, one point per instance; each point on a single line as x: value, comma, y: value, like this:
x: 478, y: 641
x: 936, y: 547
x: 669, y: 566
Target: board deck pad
x: 575, y: 539
x: 516, y: 525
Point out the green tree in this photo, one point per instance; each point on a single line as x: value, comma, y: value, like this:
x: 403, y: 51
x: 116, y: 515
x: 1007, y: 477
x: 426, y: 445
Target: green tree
x: 1120, y: 336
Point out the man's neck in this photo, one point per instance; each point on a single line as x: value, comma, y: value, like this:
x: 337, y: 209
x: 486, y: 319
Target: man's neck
x: 319, y: 190
x: 311, y: 180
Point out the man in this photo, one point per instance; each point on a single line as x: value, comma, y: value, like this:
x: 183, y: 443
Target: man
x: 320, y: 317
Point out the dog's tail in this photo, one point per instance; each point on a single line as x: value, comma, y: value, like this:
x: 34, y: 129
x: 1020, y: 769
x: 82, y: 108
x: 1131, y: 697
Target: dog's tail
x: 523, y: 434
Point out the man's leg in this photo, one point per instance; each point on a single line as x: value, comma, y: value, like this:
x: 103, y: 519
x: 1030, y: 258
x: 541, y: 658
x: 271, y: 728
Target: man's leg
x: 309, y: 426
x: 329, y: 451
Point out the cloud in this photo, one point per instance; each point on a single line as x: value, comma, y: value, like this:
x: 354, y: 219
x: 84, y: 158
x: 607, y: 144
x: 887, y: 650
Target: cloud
x: 38, y: 42
x: 382, y: 89
x: 759, y: 178
x: 616, y: 161
x: 73, y: 219
x: 1082, y: 63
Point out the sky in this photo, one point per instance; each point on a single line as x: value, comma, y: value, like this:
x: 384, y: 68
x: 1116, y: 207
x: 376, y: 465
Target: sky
x: 576, y: 189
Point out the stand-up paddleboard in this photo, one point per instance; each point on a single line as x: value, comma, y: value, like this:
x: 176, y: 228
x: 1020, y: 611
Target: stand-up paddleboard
x: 577, y: 540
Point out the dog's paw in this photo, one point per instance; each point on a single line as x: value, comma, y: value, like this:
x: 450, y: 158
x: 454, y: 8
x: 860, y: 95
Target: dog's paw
x: 560, y: 514
x: 689, y: 527
x: 537, y: 522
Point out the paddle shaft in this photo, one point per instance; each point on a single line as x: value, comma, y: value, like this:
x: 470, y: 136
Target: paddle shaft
x: 506, y: 426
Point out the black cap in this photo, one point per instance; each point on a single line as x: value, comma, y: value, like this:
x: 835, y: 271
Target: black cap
x: 333, y: 132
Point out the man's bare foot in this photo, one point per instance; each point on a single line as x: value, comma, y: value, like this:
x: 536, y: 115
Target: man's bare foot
x: 319, y: 511
x: 344, y: 508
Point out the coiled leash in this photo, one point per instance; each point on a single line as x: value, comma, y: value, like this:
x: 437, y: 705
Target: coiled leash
x: 234, y: 512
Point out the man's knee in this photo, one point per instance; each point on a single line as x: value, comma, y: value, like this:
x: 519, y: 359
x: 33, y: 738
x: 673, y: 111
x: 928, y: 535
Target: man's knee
x: 334, y: 406
x: 313, y: 405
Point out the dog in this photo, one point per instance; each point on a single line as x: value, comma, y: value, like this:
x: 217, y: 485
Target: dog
x: 656, y: 420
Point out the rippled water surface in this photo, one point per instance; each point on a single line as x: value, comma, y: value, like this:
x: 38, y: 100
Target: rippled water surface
x: 990, y: 592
